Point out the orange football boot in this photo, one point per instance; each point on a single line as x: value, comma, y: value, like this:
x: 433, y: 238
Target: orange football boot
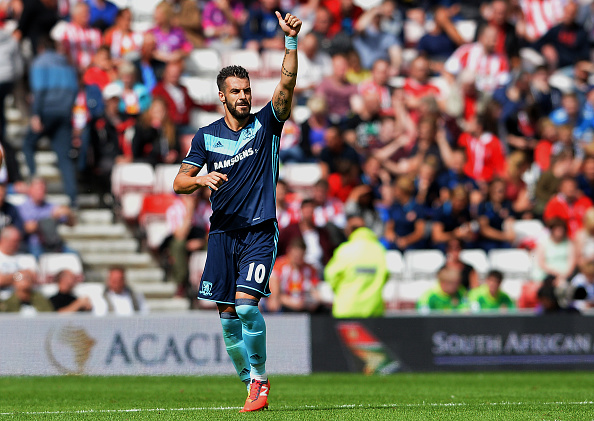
x: 258, y: 397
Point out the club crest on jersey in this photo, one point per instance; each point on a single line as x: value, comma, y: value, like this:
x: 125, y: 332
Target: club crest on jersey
x: 233, y: 160
x: 206, y: 288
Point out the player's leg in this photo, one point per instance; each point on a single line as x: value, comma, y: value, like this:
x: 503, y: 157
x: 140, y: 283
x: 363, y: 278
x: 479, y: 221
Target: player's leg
x: 255, y: 264
x: 218, y: 285
x: 234, y: 343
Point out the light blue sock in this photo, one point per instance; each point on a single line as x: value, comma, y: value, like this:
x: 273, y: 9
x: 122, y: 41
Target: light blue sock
x: 254, y: 336
x: 233, y: 337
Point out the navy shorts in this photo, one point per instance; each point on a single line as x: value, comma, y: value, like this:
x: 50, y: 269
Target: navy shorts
x: 239, y: 260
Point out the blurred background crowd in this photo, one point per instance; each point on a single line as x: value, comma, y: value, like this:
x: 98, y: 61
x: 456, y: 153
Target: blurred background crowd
x: 421, y: 125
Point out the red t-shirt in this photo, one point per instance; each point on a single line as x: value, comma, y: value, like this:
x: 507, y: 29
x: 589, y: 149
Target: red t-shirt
x: 572, y: 213
x: 486, y: 159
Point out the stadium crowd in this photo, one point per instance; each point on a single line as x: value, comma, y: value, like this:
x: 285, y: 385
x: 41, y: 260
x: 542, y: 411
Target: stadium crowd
x: 436, y: 123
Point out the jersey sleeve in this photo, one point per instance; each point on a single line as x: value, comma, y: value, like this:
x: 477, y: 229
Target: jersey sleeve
x: 197, y: 154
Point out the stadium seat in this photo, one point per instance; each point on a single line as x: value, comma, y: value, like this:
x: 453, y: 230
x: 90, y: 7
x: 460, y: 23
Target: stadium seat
x: 164, y: 176
x: 395, y: 264
x: 52, y: 263
x: 27, y: 261
x: 422, y: 264
x: 301, y: 175
x: 199, y: 118
x: 528, y: 232
x: 196, y: 267
x: 477, y: 258
x: 411, y: 291
x: 262, y: 90
x: 203, y: 62
x: 157, y: 230
x: 514, y: 263
x: 203, y: 90
x: 249, y: 59
x: 155, y: 205
x: 136, y: 177
x: 271, y: 62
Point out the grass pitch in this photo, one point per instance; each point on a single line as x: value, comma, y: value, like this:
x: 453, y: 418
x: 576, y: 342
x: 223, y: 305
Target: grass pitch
x: 443, y: 396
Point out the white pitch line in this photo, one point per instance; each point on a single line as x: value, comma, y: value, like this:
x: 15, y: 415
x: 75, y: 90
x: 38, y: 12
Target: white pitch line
x: 346, y: 406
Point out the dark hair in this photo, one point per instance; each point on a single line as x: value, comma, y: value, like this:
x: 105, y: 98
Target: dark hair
x: 231, y: 71
x: 308, y: 201
x: 322, y: 183
x: 44, y: 42
x: 497, y: 274
x: 298, y: 243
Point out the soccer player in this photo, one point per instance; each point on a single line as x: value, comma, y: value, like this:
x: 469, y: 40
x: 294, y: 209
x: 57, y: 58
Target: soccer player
x: 241, y: 153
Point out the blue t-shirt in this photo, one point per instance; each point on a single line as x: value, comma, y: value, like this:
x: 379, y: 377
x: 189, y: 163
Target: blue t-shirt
x: 405, y: 216
x: 249, y: 158
x: 496, y: 217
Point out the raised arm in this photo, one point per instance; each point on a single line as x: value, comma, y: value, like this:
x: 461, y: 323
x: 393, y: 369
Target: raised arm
x: 283, y: 94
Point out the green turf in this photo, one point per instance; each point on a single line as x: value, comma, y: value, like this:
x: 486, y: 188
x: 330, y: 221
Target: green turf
x: 444, y: 396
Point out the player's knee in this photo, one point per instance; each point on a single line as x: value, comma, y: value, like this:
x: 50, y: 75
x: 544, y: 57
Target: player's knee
x: 248, y: 312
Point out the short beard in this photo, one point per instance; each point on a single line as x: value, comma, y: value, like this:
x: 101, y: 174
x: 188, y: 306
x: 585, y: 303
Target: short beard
x: 237, y: 114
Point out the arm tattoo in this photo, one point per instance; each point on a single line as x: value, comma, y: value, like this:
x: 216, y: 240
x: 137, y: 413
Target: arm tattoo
x: 281, y: 104
x: 287, y: 73
x: 186, y: 168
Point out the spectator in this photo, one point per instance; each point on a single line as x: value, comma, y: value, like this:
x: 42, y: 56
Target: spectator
x: 313, y: 130
x: 188, y: 16
x: 336, y: 152
x: 293, y: 283
x: 136, y: 98
x: 103, y: 13
x: 64, y: 301
x: 10, y: 243
x: 357, y: 273
x: 549, y: 302
x: 497, y: 14
x: 377, y: 85
x: 418, y: 86
x: 37, y: 19
x: 496, y: 218
x: 405, y: 228
x: 469, y: 278
x: 88, y: 108
x: 362, y: 128
x: 447, y: 295
x: 175, y: 95
x: 119, y: 298
x: 149, y: 69
x: 9, y: 213
x: 361, y: 202
x: 491, y: 69
x: 222, y: 21
x: 79, y: 41
x: 314, y: 66
x: 427, y: 187
x: 454, y: 175
x: 453, y: 220
x: 486, y: 158
x: 548, y: 183
x: 187, y: 235
x: 516, y: 190
x: 54, y: 87
x: 317, y: 240
x: 25, y: 299
x: 287, y: 211
x: 584, y: 239
x: 337, y: 90
x: 170, y: 41
x: 582, y: 285
x: 260, y: 30
x: 489, y: 295
x: 586, y: 178
x: 569, y: 205
x: 436, y: 46
x: 328, y: 211
x: 538, y: 16
x: 101, y: 72
x: 566, y: 43
x: 155, y: 139
x: 11, y: 70
x: 373, y: 41
x: 122, y: 41
x: 556, y: 255
x: 41, y: 220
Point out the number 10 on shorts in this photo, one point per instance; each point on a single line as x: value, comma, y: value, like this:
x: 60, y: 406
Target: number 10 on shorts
x: 259, y: 274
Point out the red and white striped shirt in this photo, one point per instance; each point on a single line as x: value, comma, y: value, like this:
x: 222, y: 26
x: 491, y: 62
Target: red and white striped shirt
x: 176, y: 214
x: 331, y: 211
x: 540, y: 16
x: 121, y: 44
x: 491, y: 70
x: 486, y: 158
x: 80, y: 43
x: 298, y: 282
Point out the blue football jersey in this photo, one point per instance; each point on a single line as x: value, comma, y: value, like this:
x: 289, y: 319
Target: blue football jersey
x: 249, y: 158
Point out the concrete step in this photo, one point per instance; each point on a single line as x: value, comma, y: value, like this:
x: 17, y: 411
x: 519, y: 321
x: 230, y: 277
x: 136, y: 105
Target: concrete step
x: 154, y: 290
x: 95, y: 216
x: 94, y: 231
x: 168, y: 305
x: 41, y: 158
x: 125, y: 245
x: 133, y: 275
x: 45, y: 171
x: 143, y: 260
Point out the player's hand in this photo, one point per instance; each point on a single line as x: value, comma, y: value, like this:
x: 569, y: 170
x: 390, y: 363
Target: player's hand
x: 291, y: 25
x: 214, y: 180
